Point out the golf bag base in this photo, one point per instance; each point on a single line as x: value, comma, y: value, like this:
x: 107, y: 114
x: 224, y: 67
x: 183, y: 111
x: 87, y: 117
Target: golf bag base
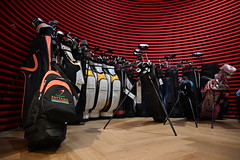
x: 45, y: 134
x: 94, y: 114
x: 85, y: 115
x: 115, y: 93
x: 106, y: 114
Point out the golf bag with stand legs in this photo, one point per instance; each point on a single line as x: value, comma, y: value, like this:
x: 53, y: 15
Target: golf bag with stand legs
x: 214, y: 90
x: 171, y: 78
x: 186, y: 99
x: 191, y: 87
x: 150, y: 85
x: 49, y: 100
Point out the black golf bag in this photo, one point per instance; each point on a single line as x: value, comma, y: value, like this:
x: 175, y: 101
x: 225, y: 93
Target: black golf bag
x: 48, y: 98
x: 161, y: 79
x: 186, y: 99
x: 73, y: 64
x: 171, y: 77
x: 150, y: 86
x: 191, y: 88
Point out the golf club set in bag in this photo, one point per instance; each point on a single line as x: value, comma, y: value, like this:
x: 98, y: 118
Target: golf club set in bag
x: 66, y: 83
x: 191, y: 94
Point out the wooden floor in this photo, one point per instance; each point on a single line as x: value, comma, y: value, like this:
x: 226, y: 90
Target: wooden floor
x: 134, y: 139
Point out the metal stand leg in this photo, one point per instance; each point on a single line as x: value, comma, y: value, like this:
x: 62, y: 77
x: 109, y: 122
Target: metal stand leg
x: 163, y: 107
x: 158, y: 99
x: 213, y: 107
x: 172, y: 109
x: 189, y: 100
x: 119, y: 106
x: 193, y: 112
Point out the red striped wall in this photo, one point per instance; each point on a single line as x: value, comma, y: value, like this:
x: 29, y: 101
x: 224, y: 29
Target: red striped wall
x: 180, y: 27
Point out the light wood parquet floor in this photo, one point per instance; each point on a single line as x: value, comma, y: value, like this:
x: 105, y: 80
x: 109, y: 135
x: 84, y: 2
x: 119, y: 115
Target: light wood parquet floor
x: 134, y: 139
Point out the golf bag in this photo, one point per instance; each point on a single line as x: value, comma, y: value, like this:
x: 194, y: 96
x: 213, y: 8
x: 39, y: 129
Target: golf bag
x: 74, y: 71
x: 142, y: 108
x: 49, y: 100
x: 214, y: 91
x: 114, y: 91
x: 210, y: 98
x: 101, y: 90
x: 90, y: 89
x: 72, y: 67
x: 191, y: 87
x: 150, y: 85
x: 186, y: 99
x: 171, y: 78
x: 161, y: 79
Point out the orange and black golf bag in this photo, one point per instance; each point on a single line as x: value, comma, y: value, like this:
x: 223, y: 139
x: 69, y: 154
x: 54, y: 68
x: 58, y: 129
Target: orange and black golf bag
x: 49, y: 99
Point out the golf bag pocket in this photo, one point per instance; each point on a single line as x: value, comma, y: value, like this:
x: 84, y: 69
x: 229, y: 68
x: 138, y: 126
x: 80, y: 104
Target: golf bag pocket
x: 57, y: 100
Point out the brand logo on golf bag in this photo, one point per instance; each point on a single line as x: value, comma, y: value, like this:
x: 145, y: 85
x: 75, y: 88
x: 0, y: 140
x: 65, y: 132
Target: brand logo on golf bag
x: 60, y: 98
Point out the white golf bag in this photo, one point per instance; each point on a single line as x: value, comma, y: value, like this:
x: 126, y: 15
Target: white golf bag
x: 114, y: 91
x: 101, y: 90
x: 90, y: 90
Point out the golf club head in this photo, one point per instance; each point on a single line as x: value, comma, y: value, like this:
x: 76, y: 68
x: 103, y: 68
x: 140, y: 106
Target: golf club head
x: 143, y: 46
x: 197, y: 54
x: 36, y: 22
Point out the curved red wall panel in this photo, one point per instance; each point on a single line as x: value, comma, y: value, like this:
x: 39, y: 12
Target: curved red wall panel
x: 169, y: 27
